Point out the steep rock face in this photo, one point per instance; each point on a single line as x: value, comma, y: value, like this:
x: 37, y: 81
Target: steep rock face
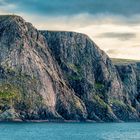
x: 62, y: 76
x: 91, y: 74
x: 130, y: 76
x: 31, y: 83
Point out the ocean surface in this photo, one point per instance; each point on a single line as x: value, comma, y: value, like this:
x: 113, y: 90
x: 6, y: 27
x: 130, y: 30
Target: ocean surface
x: 69, y: 131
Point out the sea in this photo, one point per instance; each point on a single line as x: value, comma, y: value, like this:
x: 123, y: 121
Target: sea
x: 69, y: 131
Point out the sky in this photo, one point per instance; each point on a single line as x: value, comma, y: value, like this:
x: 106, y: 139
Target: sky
x: 114, y: 25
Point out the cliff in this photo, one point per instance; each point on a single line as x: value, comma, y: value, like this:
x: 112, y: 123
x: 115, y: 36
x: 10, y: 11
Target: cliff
x: 61, y: 76
x: 130, y: 76
x: 31, y: 82
x: 96, y: 80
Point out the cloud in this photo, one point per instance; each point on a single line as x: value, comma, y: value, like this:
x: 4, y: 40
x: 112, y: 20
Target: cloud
x: 136, y: 46
x: 6, y: 8
x: 120, y: 36
x: 72, y: 7
x: 113, y: 51
x: 90, y: 11
x: 81, y: 21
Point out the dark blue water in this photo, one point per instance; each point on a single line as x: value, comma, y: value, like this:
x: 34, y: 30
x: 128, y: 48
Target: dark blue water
x: 69, y: 131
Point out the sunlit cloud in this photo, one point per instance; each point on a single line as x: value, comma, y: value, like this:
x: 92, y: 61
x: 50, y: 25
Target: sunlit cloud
x: 121, y: 36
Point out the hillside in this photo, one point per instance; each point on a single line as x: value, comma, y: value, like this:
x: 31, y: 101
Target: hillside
x: 124, y: 61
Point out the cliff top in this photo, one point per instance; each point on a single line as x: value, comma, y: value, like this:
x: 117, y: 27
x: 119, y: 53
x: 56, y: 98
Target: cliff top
x: 10, y: 17
x: 124, y: 61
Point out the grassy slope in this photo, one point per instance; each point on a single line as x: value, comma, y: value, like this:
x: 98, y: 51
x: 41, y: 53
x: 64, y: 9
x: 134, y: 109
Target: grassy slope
x: 123, y: 61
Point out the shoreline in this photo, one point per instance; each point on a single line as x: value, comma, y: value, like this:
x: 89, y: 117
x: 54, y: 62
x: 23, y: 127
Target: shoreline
x: 65, y: 121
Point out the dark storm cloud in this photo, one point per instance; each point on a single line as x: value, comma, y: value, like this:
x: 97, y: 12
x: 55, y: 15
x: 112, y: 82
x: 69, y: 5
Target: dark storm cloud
x: 120, y: 36
x: 70, y: 7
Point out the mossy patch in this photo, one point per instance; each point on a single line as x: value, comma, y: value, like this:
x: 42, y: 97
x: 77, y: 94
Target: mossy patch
x: 121, y: 104
x: 100, y: 101
x: 116, y: 102
x: 98, y: 86
x: 75, y: 68
x: 8, y: 92
x: 74, y: 77
x: 77, y: 75
x: 9, y: 95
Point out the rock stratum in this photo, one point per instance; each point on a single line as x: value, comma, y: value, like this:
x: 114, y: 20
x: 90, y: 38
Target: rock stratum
x: 62, y: 76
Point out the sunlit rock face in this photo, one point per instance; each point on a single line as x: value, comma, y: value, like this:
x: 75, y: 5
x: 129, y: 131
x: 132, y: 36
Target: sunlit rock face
x: 62, y: 76
x: 31, y: 83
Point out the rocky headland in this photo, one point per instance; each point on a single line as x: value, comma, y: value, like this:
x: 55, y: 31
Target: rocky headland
x: 62, y: 76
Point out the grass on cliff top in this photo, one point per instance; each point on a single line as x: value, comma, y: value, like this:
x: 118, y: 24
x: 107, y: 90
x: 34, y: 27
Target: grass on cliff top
x: 123, y: 61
